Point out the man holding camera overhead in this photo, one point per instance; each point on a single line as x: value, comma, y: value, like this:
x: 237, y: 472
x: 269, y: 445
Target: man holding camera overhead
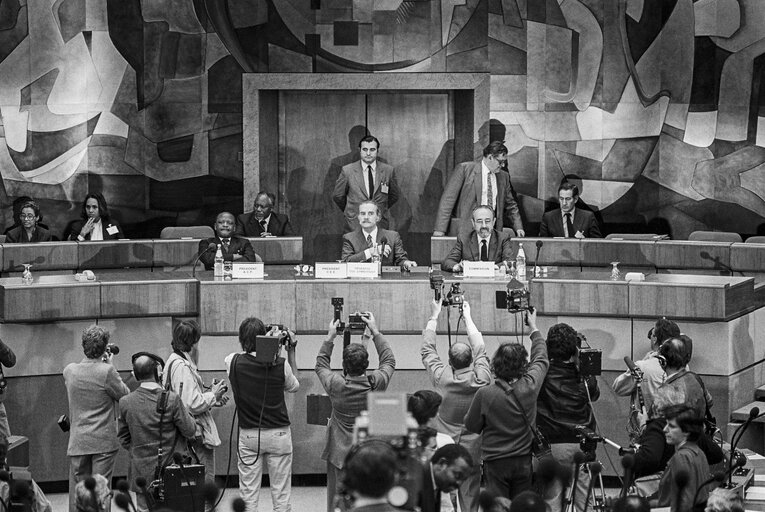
x: 259, y: 376
x: 94, y: 388
x: 563, y: 404
x: 348, y: 392
x: 466, y: 372
x: 484, y: 243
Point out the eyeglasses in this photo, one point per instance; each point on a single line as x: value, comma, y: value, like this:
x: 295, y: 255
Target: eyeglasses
x: 26, y: 216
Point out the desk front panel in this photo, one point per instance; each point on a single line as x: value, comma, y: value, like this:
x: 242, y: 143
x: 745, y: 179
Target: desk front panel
x: 140, y: 294
x: 48, y: 298
x: 115, y: 254
x: 686, y: 254
x: 42, y: 256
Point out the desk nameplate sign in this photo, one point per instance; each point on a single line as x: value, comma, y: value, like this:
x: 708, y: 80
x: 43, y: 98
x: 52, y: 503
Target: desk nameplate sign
x: 331, y: 270
x: 248, y: 271
x: 484, y: 269
x: 363, y: 270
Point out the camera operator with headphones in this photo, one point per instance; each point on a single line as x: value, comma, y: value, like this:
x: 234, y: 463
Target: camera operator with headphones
x: 258, y: 380
x: 150, y: 419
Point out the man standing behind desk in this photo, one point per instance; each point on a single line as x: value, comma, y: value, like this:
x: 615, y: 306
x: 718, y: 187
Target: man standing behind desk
x: 482, y: 244
x: 94, y: 388
x: 365, y: 241
x: 263, y: 221
x: 366, y: 180
x: 479, y: 183
x: 348, y: 393
x: 234, y: 248
x: 468, y: 370
x: 569, y: 221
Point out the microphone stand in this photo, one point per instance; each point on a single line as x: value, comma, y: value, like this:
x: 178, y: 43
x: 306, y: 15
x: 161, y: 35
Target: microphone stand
x: 194, y: 267
x: 753, y: 414
x: 536, y: 257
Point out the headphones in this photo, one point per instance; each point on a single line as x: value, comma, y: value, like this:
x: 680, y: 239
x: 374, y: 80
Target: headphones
x: 158, y: 362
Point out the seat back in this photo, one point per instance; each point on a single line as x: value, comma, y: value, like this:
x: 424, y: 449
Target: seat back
x: 756, y: 240
x: 187, y: 232
x: 715, y: 236
x: 632, y: 236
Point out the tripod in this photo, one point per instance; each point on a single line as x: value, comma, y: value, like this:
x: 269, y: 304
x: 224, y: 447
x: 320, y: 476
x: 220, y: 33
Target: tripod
x: 597, y: 492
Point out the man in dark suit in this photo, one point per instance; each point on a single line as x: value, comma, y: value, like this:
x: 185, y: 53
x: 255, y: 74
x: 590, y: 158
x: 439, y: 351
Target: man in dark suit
x: 365, y: 242
x: 479, y: 183
x: 234, y: 248
x: 481, y: 244
x: 262, y: 221
x: 569, y: 221
x: 445, y: 471
x: 364, y: 180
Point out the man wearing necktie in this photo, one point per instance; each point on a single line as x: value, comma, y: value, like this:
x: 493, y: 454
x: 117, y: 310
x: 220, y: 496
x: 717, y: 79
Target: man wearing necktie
x: 367, y: 179
x: 366, y: 241
x: 443, y: 473
x: 568, y: 221
x: 482, y: 244
x: 479, y: 183
x: 263, y: 221
x: 234, y: 248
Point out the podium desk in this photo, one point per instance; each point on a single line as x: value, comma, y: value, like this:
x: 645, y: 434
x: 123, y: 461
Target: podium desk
x: 282, y: 250
x: 687, y: 254
x: 115, y: 254
x: 143, y: 294
x: 42, y: 256
x: 49, y: 298
x: 599, y: 252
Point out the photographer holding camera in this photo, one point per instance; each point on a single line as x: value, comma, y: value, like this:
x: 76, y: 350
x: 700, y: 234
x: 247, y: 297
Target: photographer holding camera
x: 258, y: 382
x: 564, y: 404
x: 348, y: 392
x: 150, y: 419
x: 94, y: 388
x: 504, y: 412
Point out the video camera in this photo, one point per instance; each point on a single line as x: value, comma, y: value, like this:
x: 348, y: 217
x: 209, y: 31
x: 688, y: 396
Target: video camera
x: 355, y: 323
x: 517, y: 298
x: 588, y: 439
x: 280, y: 331
x: 590, y: 359
x: 455, y: 297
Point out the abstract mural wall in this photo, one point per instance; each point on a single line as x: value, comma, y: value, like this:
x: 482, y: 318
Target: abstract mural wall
x: 657, y: 107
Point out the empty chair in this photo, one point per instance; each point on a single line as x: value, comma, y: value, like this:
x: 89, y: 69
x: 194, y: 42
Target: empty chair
x: 635, y: 236
x: 715, y: 236
x: 187, y: 232
x: 756, y: 240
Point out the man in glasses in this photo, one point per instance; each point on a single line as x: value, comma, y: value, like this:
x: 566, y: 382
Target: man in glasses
x: 479, y: 183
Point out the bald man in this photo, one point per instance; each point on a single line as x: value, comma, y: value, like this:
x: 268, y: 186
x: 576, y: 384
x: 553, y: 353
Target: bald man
x: 467, y: 371
x: 234, y: 248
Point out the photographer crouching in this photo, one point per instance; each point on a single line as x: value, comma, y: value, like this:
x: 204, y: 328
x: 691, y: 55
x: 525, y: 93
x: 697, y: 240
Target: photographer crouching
x: 259, y: 376
x: 562, y: 406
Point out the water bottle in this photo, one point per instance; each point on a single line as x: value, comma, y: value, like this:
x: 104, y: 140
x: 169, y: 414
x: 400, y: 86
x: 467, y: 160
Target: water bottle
x: 26, y: 277
x: 520, y: 263
x: 218, y: 267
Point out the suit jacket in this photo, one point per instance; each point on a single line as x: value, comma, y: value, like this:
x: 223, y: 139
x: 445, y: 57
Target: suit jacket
x: 584, y: 221
x: 278, y: 225
x: 429, y: 499
x: 500, y: 249
x: 76, y: 226
x: 464, y: 190
x: 18, y: 235
x: 350, y: 192
x: 238, y: 245
x: 355, y: 243
x: 93, y: 388
x: 139, y: 430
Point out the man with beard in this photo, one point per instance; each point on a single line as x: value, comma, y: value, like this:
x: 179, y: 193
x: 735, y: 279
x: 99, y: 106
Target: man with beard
x: 484, y: 243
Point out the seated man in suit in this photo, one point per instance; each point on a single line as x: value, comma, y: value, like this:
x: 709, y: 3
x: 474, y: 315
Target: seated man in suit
x: 234, y: 248
x: 484, y: 243
x: 366, y: 241
x: 444, y: 473
x: 569, y: 221
x: 262, y: 221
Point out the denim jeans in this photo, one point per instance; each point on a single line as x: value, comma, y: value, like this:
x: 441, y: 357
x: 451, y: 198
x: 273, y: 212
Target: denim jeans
x: 276, y: 448
x: 508, y: 476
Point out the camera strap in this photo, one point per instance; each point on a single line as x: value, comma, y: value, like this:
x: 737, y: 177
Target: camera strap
x: 541, y: 442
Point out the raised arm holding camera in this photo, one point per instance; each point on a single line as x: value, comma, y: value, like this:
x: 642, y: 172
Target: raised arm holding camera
x: 503, y: 411
x: 259, y: 378
x: 466, y: 372
x: 348, y: 392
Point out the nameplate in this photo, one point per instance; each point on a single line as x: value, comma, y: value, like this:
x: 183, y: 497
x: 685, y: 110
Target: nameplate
x: 331, y: 270
x: 248, y: 271
x: 363, y: 270
x: 478, y: 269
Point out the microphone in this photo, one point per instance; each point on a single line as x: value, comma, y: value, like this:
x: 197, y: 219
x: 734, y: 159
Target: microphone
x: 718, y: 477
x: 140, y: 482
x: 122, y: 501
x: 681, y: 481
x: 383, y: 243
x: 238, y: 505
x: 90, y: 484
x: 595, y: 468
x: 719, y: 265
x: 628, y: 463
x: 579, y: 459
x: 194, y: 266
x: 124, y: 488
x: 536, y: 258
x: 753, y: 414
x: 210, y: 492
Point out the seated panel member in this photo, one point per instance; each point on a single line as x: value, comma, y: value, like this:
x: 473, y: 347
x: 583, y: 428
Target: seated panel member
x: 29, y: 231
x: 359, y: 245
x: 262, y: 221
x: 234, y: 248
x: 470, y: 247
x: 568, y: 221
x: 96, y: 223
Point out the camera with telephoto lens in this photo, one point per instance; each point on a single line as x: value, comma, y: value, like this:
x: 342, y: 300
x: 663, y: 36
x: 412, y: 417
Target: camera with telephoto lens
x: 437, y: 285
x: 588, y: 439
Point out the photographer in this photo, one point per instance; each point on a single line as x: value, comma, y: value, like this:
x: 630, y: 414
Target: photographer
x: 264, y: 425
x: 348, y: 392
x: 7, y: 359
x: 94, y: 388
x: 468, y: 371
x: 503, y: 412
x: 564, y: 404
x: 182, y: 376
x: 150, y: 420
